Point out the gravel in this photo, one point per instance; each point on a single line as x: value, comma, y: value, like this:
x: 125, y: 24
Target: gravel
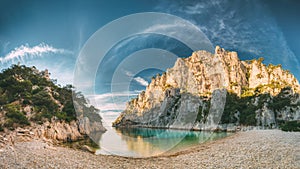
x: 249, y: 149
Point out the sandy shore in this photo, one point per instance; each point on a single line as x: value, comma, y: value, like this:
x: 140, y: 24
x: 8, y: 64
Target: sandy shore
x: 251, y: 149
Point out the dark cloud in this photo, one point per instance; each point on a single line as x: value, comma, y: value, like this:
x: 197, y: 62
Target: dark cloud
x: 244, y: 26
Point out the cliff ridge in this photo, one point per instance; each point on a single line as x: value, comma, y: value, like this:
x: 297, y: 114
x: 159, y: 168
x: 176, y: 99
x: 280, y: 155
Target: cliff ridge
x: 197, y: 91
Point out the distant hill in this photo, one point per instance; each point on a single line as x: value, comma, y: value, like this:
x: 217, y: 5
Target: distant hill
x: 217, y: 91
x: 30, y: 100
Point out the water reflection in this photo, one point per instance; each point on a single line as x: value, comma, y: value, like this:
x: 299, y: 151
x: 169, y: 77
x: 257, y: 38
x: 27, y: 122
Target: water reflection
x: 145, y: 142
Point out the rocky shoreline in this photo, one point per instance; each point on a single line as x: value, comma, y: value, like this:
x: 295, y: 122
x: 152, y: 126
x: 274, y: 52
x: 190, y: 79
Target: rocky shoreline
x: 231, y: 128
x: 247, y: 149
x: 74, y: 134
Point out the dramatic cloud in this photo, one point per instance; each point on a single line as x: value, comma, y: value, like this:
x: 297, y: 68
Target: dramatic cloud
x: 141, y: 81
x: 24, y: 51
x: 245, y: 26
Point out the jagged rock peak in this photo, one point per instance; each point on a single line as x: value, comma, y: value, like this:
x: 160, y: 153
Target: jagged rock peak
x: 203, y: 73
x: 219, y: 50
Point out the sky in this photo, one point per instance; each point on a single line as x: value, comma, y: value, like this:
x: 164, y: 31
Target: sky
x: 51, y: 34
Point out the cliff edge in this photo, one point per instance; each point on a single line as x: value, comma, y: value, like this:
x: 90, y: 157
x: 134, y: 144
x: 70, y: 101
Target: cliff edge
x: 215, y: 91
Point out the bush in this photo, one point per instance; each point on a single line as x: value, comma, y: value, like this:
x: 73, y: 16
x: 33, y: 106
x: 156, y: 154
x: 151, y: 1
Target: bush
x: 42, y: 98
x: 69, y: 110
x: 14, y: 116
x: 16, y: 90
x: 199, y: 115
x: 42, y: 114
x: 64, y: 116
x: 250, y: 119
x: 26, y: 102
x: 291, y: 126
x: 233, y: 104
x: 18, y: 117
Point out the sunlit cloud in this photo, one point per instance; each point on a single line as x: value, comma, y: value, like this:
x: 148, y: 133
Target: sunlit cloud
x: 141, y: 81
x: 25, y: 51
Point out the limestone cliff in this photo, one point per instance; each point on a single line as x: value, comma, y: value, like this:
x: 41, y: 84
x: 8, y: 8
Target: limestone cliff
x: 194, y: 93
x: 32, y: 106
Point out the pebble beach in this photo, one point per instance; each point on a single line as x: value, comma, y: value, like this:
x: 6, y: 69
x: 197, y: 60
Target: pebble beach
x: 247, y: 149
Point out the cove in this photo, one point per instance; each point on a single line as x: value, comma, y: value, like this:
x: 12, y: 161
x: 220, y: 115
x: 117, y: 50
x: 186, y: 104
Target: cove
x: 147, y: 142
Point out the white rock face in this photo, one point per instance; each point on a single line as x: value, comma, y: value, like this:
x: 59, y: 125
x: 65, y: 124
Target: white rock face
x: 175, y: 98
x: 261, y: 74
x: 59, y: 131
x: 217, y: 102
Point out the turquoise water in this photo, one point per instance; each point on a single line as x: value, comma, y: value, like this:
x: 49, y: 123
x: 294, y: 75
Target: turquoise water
x: 146, y: 142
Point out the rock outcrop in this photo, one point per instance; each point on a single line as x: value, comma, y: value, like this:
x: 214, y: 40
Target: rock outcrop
x: 53, y: 132
x: 193, y: 94
x: 32, y: 106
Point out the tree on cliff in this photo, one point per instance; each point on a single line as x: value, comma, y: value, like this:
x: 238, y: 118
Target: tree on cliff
x: 29, y: 96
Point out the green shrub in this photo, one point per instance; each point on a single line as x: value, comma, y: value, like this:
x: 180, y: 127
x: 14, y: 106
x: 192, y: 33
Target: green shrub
x: 42, y: 98
x: 250, y: 119
x: 280, y: 101
x: 291, y: 126
x: 16, y: 85
x: 9, y: 124
x: 14, y: 116
x: 42, y: 114
x: 233, y: 104
x: 35, y: 91
x: 64, y: 116
x: 244, y: 106
x: 69, y: 110
x: 3, y: 99
x: 199, y: 115
x: 61, y: 115
x: 26, y: 102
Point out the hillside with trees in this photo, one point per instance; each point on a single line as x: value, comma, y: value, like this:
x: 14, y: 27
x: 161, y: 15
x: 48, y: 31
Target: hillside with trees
x: 29, y: 99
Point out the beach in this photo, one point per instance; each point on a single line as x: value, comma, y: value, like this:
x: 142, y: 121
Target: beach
x: 245, y: 149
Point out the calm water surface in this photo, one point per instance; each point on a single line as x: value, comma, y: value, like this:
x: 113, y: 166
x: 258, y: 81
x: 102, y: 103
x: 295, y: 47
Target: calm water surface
x: 145, y: 142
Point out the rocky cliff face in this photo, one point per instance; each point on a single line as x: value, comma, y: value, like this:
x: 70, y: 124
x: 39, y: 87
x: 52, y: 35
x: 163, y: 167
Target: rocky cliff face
x: 53, y: 132
x: 32, y: 106
x: 194, y: 93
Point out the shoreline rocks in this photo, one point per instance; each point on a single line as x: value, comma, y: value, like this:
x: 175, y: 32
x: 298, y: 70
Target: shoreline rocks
x: 54, y: 132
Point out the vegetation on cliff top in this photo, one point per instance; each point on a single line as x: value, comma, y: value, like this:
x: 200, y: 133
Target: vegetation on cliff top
x: 247, y: 107
x: 28, y: 95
